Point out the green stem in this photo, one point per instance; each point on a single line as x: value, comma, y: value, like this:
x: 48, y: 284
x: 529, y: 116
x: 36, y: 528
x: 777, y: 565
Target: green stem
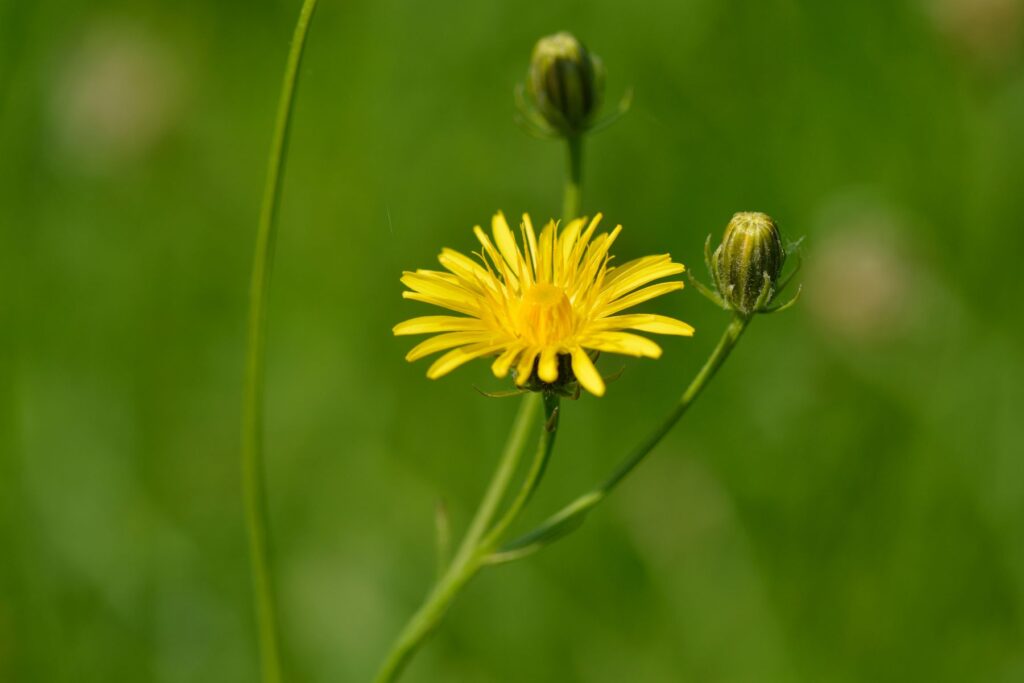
x: 572, y: 199
x: 521, y: 428
x: 252, y: 407
x: 533, y: 477
x: 477, y: 546
x: 722, y: 350
x: 571, y: 516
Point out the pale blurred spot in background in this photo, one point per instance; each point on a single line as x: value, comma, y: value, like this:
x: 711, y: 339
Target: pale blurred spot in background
x: 117, y: 95
x: 987, y: 32
x: 863, y: 282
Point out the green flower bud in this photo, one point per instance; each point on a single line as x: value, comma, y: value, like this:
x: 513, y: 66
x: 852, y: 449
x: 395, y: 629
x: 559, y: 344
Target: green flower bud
x: 747, y: 265
x: 566, y: 83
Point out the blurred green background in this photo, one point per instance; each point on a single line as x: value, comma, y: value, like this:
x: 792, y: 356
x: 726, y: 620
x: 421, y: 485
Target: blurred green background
x: 845, y: 503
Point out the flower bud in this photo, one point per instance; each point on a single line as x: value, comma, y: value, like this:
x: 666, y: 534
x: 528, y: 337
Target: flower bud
x: 747, y: 265
x: 566, y: 83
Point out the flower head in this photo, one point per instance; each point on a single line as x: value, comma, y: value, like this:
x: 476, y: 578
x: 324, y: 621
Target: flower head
x: 540, y: 308
x: 566, y: 83
x: 748, y: 263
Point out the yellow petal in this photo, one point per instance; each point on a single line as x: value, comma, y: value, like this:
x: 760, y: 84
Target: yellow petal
x: 545, y: 258
x: 639, y: 297
x: 505, y: 241
x: 586, y: 373
x: 463, y: 266
x: 456, y: 357
x: 450, y: 304
x: 502, y: 363
x: 584, y: 240
x: 567, y: 239
x: 594, y: 259
x: 430, y: 324
x: 441, y: 285
x: 446, y: 341
x: 640, y: 277
x: 547, y: 369
x: 496, y: 258
x: 630, y: 267
x: 622, y: 342
x: 524, y: 368
x: 645, y: 322
x: 530, y: 238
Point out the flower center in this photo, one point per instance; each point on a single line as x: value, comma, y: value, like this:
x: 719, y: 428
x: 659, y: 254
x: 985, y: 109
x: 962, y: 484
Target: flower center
x: 545, y: 315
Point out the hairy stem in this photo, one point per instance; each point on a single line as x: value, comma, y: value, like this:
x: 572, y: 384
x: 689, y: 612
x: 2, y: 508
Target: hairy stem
x: 252, y: 409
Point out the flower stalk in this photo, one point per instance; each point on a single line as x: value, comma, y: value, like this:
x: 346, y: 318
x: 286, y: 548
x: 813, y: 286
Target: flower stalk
x: 572, y: 200
x: 565, y: 89
x: 253, y: 484
x: 571, y: 516
x: 482, y: 539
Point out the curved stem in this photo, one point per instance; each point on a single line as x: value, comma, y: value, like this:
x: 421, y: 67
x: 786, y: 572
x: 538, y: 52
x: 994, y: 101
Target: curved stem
x: 533, y: 477
x: 722, y: 350
x: 572, y: 198
x: 252, y: 408
x: 571, y: 516
x: 510, y: 457
x: 475, y: 549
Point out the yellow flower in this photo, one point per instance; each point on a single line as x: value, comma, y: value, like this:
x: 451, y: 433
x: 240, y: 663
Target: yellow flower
x: 558, y: 296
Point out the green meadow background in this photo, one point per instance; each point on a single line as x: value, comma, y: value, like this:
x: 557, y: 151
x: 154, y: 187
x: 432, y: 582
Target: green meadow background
x: 845, y: 503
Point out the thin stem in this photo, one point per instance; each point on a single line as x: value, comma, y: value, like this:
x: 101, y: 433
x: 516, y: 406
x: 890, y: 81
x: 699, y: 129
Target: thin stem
x: 443, y: 531
x: 514, y: 447
x: 722, y: 350
x: 472, y: 554
x: 426, y: 618
x: 571, y: 515
x: 572, y: 198
x: 252, y: 408
x: 533, y: 477
x: 479, y: 543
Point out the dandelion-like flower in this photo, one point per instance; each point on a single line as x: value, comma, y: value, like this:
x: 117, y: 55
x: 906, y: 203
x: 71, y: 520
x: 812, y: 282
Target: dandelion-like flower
x: 540, y: 308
